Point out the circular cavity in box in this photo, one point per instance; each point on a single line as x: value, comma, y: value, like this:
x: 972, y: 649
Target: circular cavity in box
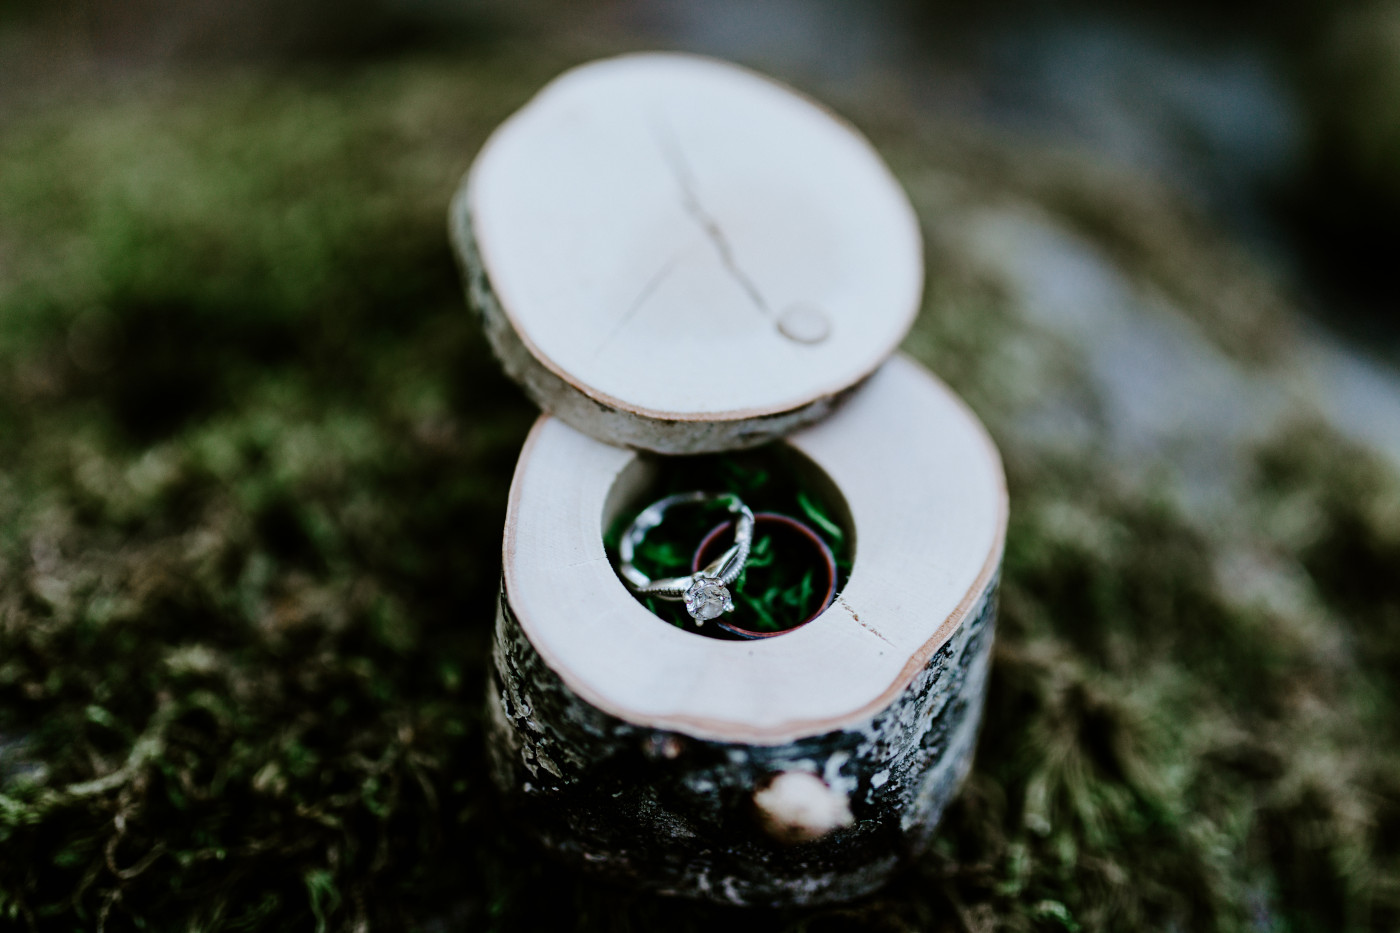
x: 784, y: 488
x: 677, y: 254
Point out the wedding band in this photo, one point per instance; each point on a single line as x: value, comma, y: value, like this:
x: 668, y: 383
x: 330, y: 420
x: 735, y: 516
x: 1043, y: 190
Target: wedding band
x: 705, y: 592
x: 775, y: 522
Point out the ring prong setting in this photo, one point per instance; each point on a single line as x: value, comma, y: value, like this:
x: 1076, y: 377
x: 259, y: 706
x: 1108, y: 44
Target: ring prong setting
x: 707, y: 598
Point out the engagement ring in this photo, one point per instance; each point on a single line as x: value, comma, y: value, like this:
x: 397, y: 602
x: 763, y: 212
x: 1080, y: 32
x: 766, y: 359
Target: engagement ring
x: 705, y: 592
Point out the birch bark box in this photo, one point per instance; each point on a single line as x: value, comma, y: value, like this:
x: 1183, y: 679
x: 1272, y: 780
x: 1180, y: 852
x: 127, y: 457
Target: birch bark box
x: 677, y: 256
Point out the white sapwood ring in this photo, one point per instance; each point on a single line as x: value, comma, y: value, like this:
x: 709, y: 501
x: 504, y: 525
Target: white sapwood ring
x: 677, y: 254
x: 880, y: 695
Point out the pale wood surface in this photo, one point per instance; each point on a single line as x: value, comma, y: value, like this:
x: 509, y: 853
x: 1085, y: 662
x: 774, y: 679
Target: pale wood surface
x: 676, y: 253
x: 926, y: 495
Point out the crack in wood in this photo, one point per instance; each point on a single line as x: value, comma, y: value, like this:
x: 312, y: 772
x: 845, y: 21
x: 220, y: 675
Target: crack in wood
x: 690, y: 201
x: 847, y: 606
x: 647, y: 291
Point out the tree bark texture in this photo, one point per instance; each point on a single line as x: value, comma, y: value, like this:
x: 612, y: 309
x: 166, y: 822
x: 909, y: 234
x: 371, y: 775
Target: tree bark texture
x: 675, y: 813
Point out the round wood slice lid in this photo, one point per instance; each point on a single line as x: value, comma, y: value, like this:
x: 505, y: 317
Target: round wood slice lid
x: 677, y: 254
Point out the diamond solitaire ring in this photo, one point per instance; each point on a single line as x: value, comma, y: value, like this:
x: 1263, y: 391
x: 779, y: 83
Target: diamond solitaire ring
x: 705, y: 592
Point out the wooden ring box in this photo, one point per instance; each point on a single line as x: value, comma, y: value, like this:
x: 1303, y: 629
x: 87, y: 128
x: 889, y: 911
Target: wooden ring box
x: 676, y: 255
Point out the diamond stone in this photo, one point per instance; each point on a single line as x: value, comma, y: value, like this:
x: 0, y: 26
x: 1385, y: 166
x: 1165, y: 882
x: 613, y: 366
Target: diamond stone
x: 706, y: 599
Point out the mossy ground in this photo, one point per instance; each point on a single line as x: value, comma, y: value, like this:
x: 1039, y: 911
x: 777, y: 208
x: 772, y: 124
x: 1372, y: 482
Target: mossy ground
x: 255, y: 457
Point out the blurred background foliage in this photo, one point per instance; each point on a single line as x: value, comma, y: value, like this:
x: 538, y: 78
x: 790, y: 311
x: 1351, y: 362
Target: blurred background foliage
x: 254, y: 455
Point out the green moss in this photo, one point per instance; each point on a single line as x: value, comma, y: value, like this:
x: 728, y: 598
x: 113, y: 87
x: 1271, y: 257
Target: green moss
x: 255, y: 458
x: 777, y: 588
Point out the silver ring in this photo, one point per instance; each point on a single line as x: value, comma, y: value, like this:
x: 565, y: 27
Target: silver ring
x: 706, y: 592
